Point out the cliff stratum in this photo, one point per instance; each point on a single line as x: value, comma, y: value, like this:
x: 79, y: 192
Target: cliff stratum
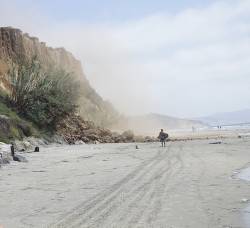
x: 16, y: 45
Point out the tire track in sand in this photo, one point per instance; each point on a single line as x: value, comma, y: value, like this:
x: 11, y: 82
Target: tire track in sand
x: 144, y: 183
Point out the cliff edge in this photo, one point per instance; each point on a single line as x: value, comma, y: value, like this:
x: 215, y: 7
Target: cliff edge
x: 16, y: 45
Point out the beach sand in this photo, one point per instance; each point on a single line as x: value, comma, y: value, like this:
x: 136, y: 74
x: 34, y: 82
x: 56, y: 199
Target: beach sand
x: 187, y: 184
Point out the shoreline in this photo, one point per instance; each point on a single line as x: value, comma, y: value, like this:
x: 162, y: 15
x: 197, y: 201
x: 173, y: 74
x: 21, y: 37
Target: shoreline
x: 244, y: 175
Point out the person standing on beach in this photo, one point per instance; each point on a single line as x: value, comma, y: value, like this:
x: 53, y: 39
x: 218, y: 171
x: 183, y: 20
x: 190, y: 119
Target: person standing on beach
x: 163, y: 136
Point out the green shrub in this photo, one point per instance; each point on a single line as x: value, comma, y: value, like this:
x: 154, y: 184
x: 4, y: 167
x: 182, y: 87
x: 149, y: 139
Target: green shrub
x: 25, y: 128
x: 14, y: 132
x: 12, y: 126
x: 5, y: 110
x: 44, y: 97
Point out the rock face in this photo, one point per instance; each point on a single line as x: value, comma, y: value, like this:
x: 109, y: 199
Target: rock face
x: 93, y: 110
x: 16, y: 45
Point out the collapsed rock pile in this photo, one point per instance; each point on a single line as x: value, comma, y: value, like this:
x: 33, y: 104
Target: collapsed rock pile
x: 75, y: 130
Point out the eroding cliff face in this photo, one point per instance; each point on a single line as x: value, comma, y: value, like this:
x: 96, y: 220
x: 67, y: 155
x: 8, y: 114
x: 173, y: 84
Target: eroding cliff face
x: 16, y: 45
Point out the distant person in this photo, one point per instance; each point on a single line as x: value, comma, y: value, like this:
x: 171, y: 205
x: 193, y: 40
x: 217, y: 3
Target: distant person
x: 163, y: 136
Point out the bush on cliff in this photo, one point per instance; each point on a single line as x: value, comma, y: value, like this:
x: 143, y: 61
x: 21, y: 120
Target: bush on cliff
x: 44, y: 97
x: 12, y: 126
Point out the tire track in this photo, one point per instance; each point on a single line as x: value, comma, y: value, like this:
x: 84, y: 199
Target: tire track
x: 163, y: 189
x: 89, y: 208
x: 135, y: 198
x: 135, y: 191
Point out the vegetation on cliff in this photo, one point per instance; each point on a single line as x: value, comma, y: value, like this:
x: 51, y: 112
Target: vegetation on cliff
x: 36, y: 100
x: 43, y: 97
x: 12, y: 126
x: 16, y: 46
x: 39, y: 97
x: 38, y: 103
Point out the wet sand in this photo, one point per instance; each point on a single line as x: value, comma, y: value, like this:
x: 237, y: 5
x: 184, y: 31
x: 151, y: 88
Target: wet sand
x: 187, y: 184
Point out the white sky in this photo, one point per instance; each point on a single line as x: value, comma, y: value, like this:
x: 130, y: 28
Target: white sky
x: 187, y: 63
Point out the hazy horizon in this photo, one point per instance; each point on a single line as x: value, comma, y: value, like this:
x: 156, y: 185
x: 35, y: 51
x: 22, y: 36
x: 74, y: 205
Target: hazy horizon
x: 193, y: 117
x: 187, y: 59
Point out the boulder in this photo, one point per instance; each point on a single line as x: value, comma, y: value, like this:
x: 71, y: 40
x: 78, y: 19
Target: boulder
x: 85, y: 139
x: 93, y: 137
x: 79, y: 142
x: 19, y: 158
x: 22, y: 145
x: 27, y: 144
x: 5, y: 155
x: 4, y: 161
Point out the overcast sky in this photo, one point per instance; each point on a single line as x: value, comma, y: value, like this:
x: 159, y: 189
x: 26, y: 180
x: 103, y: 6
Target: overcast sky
x: 185, y: 59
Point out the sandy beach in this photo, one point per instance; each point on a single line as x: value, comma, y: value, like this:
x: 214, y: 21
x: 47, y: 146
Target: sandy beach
x: 187, y: 184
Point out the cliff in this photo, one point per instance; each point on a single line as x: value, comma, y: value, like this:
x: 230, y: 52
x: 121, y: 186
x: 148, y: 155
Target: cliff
x: 16, y: 45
